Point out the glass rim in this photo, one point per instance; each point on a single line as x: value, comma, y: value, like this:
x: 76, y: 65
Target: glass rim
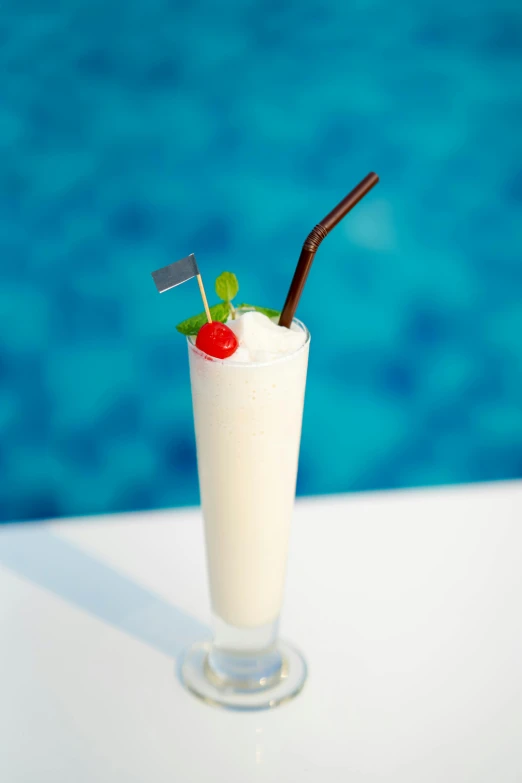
x: 250, y: 365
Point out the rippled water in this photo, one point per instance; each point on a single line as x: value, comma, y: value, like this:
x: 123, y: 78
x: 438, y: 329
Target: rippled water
x: 133, y: 133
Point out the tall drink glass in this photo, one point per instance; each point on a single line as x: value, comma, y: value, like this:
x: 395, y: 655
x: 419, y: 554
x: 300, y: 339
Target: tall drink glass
x: 248, y: 420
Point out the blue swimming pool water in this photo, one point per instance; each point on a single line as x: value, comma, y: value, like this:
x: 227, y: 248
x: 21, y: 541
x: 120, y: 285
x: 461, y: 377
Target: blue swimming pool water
x: 134, y: 132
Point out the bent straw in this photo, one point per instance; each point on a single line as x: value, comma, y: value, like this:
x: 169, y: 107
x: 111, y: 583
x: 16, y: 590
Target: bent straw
x: 314, y: 239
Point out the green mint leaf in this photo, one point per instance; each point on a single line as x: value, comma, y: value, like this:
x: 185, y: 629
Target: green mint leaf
x: 265, y: 310
x: 219, y: 312
x: 227, y: 286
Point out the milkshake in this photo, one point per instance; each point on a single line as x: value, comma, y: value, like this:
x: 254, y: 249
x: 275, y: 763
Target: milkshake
x: 247, y: 412
x: 248, y: 369
x: 248, y: 409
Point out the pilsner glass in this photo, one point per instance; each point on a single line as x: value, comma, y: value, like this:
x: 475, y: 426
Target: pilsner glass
x: 248, y: 420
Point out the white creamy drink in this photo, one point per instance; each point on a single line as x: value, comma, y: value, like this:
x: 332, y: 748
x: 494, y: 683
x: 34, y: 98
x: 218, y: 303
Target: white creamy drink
x: 248, y: 377
x: 248, y: 412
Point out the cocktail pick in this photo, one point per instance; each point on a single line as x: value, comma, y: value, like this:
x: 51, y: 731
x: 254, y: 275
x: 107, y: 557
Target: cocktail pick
x: 314, y: 239
x: 179, y: 272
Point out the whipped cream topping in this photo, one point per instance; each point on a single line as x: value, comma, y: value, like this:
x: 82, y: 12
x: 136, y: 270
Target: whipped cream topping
x: 262, y: 340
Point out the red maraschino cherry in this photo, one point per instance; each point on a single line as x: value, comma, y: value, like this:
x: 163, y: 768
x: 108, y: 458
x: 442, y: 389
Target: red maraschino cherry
x: 217, y: 339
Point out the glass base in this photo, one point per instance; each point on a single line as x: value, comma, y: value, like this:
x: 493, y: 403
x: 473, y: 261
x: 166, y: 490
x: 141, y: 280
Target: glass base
x: 213, y: 684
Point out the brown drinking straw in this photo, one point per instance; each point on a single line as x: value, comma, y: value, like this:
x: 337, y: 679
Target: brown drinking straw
x: 314, y: 239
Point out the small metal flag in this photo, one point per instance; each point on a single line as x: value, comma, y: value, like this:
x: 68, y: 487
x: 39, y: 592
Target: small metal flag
x: 174, y: 274
x: 179, y: 272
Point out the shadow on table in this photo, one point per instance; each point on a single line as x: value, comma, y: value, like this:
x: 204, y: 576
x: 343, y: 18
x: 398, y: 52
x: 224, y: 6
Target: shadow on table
x: 42, y: 557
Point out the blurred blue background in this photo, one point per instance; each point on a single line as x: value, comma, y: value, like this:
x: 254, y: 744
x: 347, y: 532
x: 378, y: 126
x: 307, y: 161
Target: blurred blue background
x: 134, y: 132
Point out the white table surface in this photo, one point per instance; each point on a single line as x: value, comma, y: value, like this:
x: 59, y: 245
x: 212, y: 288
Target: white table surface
x: 408, y: 607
